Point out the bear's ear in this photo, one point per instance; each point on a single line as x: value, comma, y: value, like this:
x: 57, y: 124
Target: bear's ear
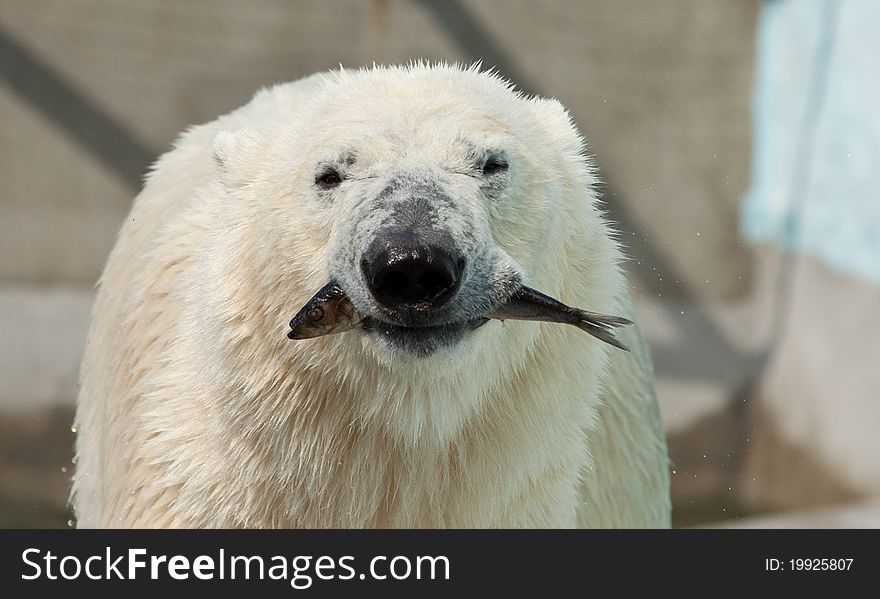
x: 551, y: 109
x: 238, y: 155
x: 559, y: 124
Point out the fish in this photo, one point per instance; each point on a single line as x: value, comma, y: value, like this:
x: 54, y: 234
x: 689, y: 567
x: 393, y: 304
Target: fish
x: 330, y: 311
x: 528, y: 304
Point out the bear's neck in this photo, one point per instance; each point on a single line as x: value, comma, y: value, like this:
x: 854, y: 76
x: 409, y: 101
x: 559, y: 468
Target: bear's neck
x: 340, y: 450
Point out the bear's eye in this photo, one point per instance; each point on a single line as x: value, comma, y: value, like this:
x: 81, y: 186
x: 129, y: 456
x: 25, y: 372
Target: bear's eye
x: 329, y: 179
x: 494, y: 166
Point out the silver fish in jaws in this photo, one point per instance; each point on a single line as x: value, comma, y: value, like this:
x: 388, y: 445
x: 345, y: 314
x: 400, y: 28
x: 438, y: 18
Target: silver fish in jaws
x: 330, y: 312
x: 327, y: 313
x: 527, y: 304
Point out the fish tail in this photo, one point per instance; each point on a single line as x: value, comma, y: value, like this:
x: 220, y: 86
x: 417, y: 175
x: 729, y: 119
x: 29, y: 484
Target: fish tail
x: 601, y: 327
x: 602, y: 334
x: 603, y: 320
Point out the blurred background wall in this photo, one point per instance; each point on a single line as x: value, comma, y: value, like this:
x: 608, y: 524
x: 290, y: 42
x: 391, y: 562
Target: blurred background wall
x: 93, y: 90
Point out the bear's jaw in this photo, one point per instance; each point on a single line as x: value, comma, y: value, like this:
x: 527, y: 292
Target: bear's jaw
x: 421, y: 341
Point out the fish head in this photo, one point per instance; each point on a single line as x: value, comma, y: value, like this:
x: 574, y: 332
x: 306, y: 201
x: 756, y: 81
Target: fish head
x: 327, y: 313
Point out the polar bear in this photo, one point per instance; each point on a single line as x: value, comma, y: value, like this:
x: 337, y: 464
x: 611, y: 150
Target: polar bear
x: 195, y: 410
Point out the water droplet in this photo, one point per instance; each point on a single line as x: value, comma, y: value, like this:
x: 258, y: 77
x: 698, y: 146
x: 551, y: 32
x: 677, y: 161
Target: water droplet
x: 64, y: 469
x: 682, y: 312
x: 698, y: 233
x: 673, y: 471
x: 73, y: 428
x: 70, y: 523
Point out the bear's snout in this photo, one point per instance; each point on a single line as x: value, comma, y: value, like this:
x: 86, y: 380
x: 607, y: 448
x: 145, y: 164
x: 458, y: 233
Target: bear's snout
x: 405, y: 270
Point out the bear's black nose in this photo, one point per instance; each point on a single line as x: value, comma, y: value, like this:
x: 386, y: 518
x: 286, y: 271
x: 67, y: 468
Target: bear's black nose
x: 403, y: 270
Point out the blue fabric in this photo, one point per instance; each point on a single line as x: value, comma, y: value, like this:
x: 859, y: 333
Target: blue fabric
x: 816, y: 157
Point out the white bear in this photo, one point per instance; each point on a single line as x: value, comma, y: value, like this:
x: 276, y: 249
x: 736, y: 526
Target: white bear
x: 196, y: 410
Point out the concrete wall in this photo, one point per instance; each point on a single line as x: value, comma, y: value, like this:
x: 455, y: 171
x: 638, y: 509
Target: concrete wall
x: 94, y: 90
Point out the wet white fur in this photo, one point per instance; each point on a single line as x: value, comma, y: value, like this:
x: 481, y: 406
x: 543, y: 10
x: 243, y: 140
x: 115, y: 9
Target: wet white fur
x: 195, y: 409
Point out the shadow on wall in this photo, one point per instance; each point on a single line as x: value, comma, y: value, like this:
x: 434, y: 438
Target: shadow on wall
x: 36, y: 463
x: 748, y: 468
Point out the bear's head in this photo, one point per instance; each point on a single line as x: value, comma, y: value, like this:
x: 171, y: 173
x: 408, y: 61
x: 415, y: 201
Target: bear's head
x: 428, y: 193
